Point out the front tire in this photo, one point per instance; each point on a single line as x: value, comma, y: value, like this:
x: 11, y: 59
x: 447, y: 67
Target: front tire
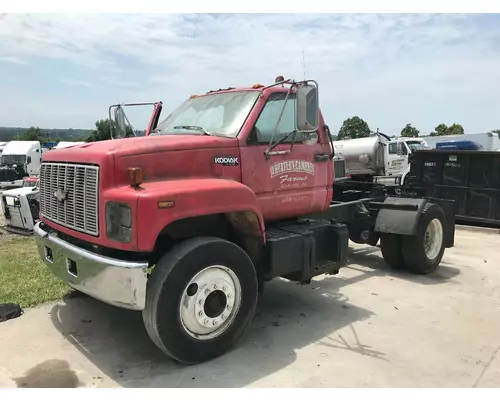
x: 423, y: 252
x: 200, y: 299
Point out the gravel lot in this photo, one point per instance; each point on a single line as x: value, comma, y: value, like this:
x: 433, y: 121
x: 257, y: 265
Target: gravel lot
x: 368, y: 326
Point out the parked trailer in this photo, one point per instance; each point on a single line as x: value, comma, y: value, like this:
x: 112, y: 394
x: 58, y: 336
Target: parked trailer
x: 458, y: 145
x: 471, y: 178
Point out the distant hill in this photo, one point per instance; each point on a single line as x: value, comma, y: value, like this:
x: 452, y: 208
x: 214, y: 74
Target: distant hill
x: 51, y: 135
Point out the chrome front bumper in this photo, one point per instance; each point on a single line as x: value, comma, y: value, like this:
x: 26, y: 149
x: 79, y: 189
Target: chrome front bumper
x: 117, y: 282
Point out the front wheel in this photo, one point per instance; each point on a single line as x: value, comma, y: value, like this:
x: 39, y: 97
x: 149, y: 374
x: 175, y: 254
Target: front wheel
x: 423, y: 253
x: 200, y: 300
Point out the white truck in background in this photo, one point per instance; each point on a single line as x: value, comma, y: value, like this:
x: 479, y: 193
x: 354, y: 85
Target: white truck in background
x: 379, y: 158
x: 21, y: 207
x: 63, y: 145
x: 18, y: 160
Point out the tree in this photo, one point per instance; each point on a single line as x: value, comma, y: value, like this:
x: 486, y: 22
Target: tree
x: 409, y: 131
x: 103, y: 131
x: 354, y: 128
x: 32, y: 134
x: 455, y: 129
x: 443, y: 130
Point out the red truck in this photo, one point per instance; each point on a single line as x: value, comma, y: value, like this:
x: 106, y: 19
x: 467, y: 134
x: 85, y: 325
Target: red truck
x: 232, y: 189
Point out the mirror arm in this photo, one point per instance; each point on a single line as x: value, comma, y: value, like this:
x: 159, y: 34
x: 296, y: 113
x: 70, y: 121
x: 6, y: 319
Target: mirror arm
x: 326, y: 128
x: 111, y: 122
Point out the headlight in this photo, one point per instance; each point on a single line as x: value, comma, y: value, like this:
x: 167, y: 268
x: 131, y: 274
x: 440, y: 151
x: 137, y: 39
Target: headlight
x: 118, y: 222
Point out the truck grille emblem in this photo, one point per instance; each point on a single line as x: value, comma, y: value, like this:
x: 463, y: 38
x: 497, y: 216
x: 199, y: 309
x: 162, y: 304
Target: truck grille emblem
x: 60, y: 195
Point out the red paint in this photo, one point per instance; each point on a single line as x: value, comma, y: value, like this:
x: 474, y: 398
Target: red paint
x: 181, y: 168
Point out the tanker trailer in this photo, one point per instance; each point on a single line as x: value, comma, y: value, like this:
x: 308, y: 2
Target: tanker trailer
x: 376, y: 159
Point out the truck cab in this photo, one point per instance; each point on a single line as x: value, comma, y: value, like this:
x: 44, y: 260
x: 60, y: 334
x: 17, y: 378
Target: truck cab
x: 409, y: 145
x: 20, y: 206
x: 19, y: 159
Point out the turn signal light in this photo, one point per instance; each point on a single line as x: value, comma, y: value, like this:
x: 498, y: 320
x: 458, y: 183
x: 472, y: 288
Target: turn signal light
x: 135, y: 176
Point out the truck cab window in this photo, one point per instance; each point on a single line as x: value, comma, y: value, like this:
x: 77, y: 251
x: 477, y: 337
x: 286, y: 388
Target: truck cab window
x: 268, y: 118
x: 402, y: 149
x: 393, y: 148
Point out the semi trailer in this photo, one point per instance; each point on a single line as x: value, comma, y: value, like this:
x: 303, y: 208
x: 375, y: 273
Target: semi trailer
x: 232, y: 189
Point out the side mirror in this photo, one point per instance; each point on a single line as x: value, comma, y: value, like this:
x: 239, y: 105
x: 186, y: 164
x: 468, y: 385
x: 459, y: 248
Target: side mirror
x: 307, y: 107
x: 119, y: 122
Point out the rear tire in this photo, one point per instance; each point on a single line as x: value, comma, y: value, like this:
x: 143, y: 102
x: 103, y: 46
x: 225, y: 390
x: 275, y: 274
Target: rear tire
x: 391, y: 247
x: 423, y: 252
x: 200, y: 299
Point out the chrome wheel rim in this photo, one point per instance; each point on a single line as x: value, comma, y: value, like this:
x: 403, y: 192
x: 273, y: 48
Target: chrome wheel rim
x: 210, y: 302
x: 433, y: 239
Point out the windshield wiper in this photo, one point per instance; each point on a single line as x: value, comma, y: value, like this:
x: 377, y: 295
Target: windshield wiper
x: 193, y: 128
x: 272, y: 147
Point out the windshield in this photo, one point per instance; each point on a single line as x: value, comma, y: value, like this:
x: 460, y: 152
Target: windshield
x: 219, y: 114
x: 11, y: 159
x: 30, y: 183
x: 417, y: 145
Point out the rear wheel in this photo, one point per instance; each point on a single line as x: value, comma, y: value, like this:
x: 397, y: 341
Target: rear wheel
x: 390, y: 245
x: 200, y: 299
x: 423, y: 252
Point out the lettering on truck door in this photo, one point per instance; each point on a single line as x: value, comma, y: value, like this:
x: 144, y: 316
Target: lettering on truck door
x: 290, y: 183
x: 396, y: 159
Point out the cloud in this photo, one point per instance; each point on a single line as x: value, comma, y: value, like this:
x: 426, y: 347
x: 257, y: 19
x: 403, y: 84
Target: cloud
x: 77, y: 83
x: 12, y: 60
x: 390, y: 69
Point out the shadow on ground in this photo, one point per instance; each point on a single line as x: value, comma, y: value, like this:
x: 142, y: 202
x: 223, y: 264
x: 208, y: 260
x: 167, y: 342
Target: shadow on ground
x: 289, y: 317
x: 371, y: 259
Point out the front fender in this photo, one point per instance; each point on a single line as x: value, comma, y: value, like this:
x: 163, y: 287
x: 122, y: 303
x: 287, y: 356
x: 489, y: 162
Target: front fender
x: 191, y: 198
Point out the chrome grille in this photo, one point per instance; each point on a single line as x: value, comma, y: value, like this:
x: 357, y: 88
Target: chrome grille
x: 339, y: 167
x: 80, y: 209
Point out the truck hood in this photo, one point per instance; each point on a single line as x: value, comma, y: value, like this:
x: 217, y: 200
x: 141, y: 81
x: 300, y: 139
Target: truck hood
x: 96, y: 152
x: 160, y: 157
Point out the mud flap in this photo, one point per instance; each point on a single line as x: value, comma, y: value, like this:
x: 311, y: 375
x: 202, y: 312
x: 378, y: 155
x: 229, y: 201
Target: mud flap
x: 398, y: 215
x: 401, y: 216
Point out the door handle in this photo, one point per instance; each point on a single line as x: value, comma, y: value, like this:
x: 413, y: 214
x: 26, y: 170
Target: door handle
x: 321, y: 157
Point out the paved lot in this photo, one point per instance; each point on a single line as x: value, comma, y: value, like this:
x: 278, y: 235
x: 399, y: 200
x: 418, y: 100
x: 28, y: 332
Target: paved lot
x: 367, y: 326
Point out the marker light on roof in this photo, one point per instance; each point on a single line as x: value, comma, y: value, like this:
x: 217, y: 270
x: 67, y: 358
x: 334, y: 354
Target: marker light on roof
x: 257, y: 86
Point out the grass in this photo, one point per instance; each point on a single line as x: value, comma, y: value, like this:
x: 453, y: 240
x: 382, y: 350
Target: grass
x: 24, y: 278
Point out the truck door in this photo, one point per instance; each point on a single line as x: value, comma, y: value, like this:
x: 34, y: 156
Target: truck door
x: 295, y: 179
x: 396, y: 160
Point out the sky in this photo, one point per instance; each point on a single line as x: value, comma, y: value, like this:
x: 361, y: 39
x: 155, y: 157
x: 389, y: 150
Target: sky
x: 63, y: 71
